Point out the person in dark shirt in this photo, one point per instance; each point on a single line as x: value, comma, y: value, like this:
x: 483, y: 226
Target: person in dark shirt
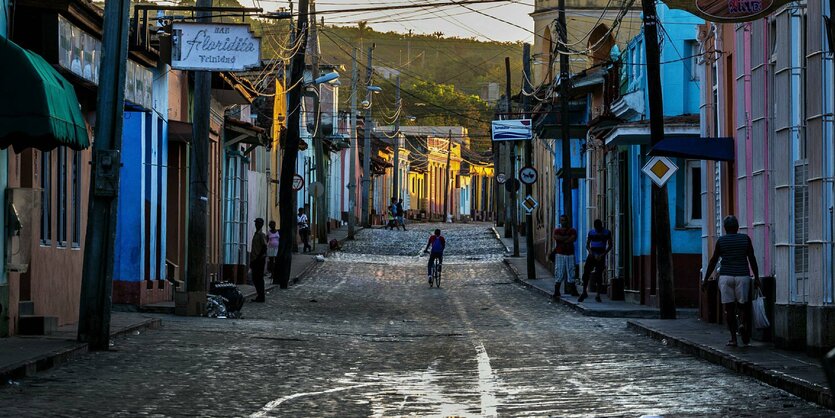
x: 598, y: 244
x: 438, y: 243
x: 737, y: 253
x: 257, y: 259
x: 565, y: 236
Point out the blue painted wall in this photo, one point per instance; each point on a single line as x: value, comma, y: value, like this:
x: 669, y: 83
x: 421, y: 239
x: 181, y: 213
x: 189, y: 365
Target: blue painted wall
x: 142, y: 190
x: 681, y: 96
x: 128, y: 263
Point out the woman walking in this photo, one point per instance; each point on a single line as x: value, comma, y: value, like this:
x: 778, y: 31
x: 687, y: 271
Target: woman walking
x: 304, y: 229
x: 272, y: 249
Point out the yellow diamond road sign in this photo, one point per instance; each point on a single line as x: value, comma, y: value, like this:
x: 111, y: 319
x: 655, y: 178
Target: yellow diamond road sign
x: 659, y: 169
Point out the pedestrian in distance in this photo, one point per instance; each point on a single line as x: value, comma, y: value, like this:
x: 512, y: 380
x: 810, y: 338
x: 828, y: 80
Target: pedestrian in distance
x: 598, y: 244
x: 391, y: 214
x: 565, y: 236
x: 736, y: 252
x: 399, y: 214
x: 304, y: 229
x: 272, y: 249
x: 438, y: 243
x: 258, y: 260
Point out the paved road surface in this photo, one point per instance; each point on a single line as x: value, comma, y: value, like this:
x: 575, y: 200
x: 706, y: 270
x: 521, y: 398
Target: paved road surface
x: 364, y: 335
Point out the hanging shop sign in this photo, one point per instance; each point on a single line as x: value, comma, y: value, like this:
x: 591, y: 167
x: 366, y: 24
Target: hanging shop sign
x: 728, y: 10
x: 214, y: 47
x: 512, y: 130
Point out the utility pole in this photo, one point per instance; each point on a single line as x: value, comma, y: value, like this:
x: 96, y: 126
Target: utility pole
x: 352, y: 181
x: 97, y: 276
x: 526, y: 105
x: 366, y: 149
x: 320, y: 207
x: 446, y: 177
x: 395, y: 183
x: 660, y: 204
x: 514, y: 201
x: 286, y: 194
x: 198, y: 216
x: 565, y: 128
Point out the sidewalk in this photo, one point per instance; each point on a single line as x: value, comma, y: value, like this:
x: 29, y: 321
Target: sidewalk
x: 302, y: 264
x: 544, y: 283
x: 794, y: 372
x: 25, y: 356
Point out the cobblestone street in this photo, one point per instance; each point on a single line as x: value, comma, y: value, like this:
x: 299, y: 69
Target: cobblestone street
x: 364, y: 335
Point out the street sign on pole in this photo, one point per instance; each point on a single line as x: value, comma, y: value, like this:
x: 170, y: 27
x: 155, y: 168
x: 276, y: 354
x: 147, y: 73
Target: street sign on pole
x: 298, y: 182
x: 512, y: 185
x: 530, y: 204
x: 659, y: 170
x: 528, y: 175
x: 512, y: 130
x: 501, y: 178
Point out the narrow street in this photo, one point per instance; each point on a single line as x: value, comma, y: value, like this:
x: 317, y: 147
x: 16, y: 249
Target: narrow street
x: 364, y: 335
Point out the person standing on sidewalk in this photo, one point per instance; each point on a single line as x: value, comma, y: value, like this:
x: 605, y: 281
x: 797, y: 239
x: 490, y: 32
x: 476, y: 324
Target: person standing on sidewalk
x: 598, y: 244
x: 736, y: 253
x: 272, y: 249
x: 399, y: 217
x: 258, y: 259
x: 304, y: 229
x: 565, y: 236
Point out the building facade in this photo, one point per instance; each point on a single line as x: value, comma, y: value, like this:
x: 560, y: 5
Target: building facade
x: 769, y: 85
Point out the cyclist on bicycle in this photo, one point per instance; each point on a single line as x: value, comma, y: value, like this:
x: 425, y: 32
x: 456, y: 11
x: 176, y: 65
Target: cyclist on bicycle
x: 438, y: 243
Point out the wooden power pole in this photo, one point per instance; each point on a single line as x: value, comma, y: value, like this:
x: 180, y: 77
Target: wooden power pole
x: 565, y: 128
x: 286, y: 194
x: 352, y: 181
x: 97, y: 276
x: 660, y: 204
x: 526, y: 105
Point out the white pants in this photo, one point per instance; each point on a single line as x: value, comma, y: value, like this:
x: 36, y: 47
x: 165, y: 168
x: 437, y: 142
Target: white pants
x: 564, y: 268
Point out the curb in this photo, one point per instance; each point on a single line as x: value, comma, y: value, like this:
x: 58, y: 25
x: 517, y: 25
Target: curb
x: 499, y: 238
x: 806, y: 390
x: 44, y: 362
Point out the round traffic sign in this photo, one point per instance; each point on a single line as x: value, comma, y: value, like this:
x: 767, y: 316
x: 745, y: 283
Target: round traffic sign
x: 501, y: 178
x: 512, y: 185
x: 528, y: 175
x: 298, y: 182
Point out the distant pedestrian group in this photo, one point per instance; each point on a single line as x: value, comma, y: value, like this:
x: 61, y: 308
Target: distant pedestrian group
x: 394, y: 215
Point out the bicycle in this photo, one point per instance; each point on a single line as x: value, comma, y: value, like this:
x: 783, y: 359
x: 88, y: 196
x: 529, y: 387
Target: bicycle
x: 436, y: 273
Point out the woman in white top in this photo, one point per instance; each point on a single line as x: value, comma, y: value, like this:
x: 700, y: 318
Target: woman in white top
x: 272, y: 247
x: 304, y: 229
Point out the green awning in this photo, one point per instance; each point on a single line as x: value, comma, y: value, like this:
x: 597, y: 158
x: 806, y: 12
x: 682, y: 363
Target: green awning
x: 38, y: 106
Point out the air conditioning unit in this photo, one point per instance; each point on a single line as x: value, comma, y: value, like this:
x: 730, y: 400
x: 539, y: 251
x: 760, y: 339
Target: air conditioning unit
x: 23, y: 203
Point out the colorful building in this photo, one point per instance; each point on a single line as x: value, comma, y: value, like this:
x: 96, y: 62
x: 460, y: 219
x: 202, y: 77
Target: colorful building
x: 769, y: 85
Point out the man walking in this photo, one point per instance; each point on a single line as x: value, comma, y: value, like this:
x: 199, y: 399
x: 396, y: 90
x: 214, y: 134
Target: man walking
x: 399, y: 217
x: 737, y: 253
x: 565, y: 236
x: 257, y: 259
x: 598, y: 244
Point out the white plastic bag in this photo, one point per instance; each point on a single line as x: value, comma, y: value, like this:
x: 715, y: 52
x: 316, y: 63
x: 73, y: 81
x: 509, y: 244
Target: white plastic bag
x: 758, y: 306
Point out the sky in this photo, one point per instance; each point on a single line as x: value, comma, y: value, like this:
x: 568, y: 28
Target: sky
x: 457, y: 21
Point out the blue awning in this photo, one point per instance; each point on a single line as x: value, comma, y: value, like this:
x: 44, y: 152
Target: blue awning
x: 715, y: 149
